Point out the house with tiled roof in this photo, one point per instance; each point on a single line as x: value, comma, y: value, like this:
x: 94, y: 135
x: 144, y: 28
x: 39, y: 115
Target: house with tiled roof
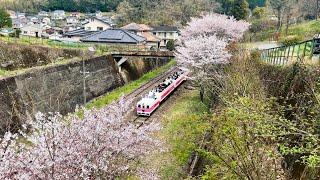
x: 77, y: 34
x: 144, y: 31
x: 115, y: 37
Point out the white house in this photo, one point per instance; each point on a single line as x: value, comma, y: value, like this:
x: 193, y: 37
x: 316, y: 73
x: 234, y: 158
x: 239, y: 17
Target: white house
x: 21, y: 15
x: 72, y: 20
x: 34, y: 30
x: 43, y: 14
x: 95, y: 24
x: 98, y: 14
x: 34, y: 19
x: 59, y: 14
x: 46, y: 20
x: 166, y: 33
x: 18, y: 23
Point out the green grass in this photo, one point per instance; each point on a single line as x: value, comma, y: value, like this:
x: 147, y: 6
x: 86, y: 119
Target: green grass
x: 128, y: 88
x: 184, y: 127
x: 306, y: 29
x: 3, y: 72
x: 44, y: 42
x: 101, y: 49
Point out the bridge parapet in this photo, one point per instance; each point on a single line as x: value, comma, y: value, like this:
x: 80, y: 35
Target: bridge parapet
x: 150, y: 54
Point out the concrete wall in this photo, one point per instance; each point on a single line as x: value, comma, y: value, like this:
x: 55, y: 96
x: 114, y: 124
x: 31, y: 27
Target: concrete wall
x: 60, y: 87
x: 55, y: 88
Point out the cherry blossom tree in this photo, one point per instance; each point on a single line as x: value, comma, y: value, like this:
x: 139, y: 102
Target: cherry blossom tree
x: 102, y: 144
x: 217, y: 24
x: 204, y: 48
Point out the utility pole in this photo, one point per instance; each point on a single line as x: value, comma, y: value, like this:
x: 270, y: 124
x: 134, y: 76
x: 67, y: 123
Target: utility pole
x: 84, y: 81
x: 317, y: 9
x: 91, y: 52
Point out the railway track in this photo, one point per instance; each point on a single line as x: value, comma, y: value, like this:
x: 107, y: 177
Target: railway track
x: 151, y: 83
x: 139, y: 121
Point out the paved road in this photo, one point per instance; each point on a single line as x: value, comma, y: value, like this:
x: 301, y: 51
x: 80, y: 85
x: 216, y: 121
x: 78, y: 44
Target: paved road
x: 263, y: 45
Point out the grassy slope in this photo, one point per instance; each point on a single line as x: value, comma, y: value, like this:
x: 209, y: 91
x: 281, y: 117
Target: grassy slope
x: 184, y: 126
x: 128, y: 88
x: 306, y: 29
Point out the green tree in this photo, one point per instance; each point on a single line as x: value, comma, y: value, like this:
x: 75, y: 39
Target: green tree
x: 170, y: 45
x: 278, y: 6
x: 5, y: 20
x: 259, y: 12
x: 237, y: 8
x: 126, y: 12
x: 240, y: 9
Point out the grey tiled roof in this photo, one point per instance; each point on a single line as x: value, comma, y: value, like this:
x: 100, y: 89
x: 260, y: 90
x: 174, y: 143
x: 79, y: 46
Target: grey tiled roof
x: 79, y: 32
x: 114, y: 36
x: 165, y: 28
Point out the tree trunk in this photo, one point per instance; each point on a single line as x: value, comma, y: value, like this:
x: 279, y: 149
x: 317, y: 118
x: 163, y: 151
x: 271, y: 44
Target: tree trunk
x: 202, y: 93
x: 287, y: 22
x: 317, y: 10
x: 279, y: 20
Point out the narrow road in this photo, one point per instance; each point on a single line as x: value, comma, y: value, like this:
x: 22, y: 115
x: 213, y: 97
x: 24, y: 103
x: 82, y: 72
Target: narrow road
x: 263, y: 45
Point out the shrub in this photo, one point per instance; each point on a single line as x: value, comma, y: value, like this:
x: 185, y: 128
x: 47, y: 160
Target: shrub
x: 291, y: 40
x: 259, y: 12
x: 170, y: 45
x: 16, y: 33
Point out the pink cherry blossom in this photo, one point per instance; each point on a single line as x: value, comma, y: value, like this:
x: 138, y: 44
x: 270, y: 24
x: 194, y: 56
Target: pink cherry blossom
x: 203, y: 51
x: 218, y: 24
x: 101, y: 144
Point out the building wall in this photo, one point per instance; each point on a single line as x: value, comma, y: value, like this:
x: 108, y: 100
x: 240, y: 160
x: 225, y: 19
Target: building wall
x: 166, y: 36
x: 26, y: 32
x: 94, y: 24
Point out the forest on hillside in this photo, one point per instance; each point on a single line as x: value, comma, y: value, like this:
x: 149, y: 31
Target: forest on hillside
x: 153, y: 12
x: 93, y: 5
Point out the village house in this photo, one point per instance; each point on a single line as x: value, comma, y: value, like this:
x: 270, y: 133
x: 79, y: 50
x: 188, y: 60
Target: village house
x: 46, y: 20
x: 76, y: 15
x: 21, y: 15
x: 58, y: 15
x: 35, y: 30
x: 166, y: 33
x: 18, y: 23
x: 115, y: 37
x: 43, y: 14
x: 77, y: 34
x: 96, y: 24
x: 72, y: 20
x: 144, y: 31
x: 98, y: 14
x: 34, y: 20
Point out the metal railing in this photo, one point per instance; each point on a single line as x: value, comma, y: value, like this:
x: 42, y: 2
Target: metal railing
x: 285, y: 55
